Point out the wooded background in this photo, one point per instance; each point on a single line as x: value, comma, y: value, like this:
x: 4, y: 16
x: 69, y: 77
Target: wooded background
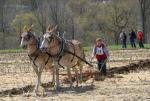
x: 81, y: 19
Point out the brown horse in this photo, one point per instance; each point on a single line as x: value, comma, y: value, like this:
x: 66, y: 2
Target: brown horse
x: 39, y: 59
x: 59, y: 49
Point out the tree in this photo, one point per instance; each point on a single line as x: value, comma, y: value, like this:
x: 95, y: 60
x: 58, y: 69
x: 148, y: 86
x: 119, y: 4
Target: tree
x: 114, y: 19
x: 52, y: 12
x: 144, y: 5
x: 3, y: 22
x: 20, y: 21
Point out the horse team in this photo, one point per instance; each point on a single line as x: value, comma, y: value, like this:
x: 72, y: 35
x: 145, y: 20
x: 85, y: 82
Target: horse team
x: 54, y: 53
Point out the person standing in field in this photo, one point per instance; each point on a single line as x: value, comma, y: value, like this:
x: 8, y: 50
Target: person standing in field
x: 100, y: 52
x: 132, y: 35
x: 140, y: 37
x: 123, y: 37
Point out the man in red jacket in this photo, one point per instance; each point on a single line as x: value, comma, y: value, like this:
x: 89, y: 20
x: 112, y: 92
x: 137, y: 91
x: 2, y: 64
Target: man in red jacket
x: 140, y: 37
x: 100, y: 53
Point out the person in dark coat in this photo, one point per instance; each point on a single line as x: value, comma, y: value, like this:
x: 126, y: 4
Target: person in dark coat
x: 132, y: 37
x: 123, y: 37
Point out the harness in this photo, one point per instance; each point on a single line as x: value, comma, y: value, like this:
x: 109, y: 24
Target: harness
x: 33, y: 56
x: 33, y: 59
x: 64, y: 42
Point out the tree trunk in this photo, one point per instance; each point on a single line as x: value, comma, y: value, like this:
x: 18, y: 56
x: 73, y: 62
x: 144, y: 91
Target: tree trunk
x: 143, y: 21
x: 116, y: 37
x: 72, y: 29
x: 143, y: 13
x: 3, y: 29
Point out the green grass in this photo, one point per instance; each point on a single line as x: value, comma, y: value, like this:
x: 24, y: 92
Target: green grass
x: 89, y: 48
x: 11, y: 50
x: 128, y: 46
x: 147, y: 45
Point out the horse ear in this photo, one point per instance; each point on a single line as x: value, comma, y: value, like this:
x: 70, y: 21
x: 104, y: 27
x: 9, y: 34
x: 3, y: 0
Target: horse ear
x: 34, y: 34
x: 49, y: 28
x: 25, y: 29
x: 30, y: 28
x: 55, y: 28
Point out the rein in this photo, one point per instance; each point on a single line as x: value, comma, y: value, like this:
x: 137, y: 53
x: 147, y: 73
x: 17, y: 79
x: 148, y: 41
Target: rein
x: 79, y: 58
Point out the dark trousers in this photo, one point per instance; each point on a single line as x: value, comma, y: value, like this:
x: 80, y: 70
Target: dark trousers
x: 132, y: 41
x: 102, y: 66
x: 141, y: 45
x: 124, y: 45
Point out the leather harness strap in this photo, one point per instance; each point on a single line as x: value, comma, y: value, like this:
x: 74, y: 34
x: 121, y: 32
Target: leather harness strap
x: 47, y: 59
x: 63, y: 50
x: 33, y: 59
x: 33, y: 56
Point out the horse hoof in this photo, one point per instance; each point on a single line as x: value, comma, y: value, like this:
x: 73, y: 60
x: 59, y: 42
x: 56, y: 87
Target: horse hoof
x: 57, y: 88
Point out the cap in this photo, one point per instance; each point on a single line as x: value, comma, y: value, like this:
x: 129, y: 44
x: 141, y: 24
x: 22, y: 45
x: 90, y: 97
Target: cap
x: 98, y: 39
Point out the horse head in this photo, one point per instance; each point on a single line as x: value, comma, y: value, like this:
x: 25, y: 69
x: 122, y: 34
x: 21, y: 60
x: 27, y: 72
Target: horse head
x: 49, y: 38
x: 26, y: 37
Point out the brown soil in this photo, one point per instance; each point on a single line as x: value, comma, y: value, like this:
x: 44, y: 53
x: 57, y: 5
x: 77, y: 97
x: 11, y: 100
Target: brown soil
x: 128, y: 79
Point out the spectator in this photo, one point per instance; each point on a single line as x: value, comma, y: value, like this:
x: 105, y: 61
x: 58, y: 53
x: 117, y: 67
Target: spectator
x: 123, y: 37
x: 140, y: 37
x: 132, y: 35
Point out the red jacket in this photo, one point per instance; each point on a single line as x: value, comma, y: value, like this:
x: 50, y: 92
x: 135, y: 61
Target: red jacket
x: 99, y: 52
x: 140, y: 35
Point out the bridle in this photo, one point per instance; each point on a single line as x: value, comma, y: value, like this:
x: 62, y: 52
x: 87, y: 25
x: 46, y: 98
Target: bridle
x: 34, y: 55
x: 50, y: 39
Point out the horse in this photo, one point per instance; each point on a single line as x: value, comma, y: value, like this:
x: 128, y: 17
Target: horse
x: 40, y: 60
x: 64, y: 53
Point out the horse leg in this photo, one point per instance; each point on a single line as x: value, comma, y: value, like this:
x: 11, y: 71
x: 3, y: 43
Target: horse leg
x: 77, y: 76
x: 53, y: 78
x: 36, y: 71
x: 57, y: 77
x: 69, y: 76
x: 39, y: 77
x: 80, y: 68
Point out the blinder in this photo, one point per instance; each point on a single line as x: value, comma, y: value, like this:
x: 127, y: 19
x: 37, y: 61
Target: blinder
x: 50, y: 38
x: 28, y: 36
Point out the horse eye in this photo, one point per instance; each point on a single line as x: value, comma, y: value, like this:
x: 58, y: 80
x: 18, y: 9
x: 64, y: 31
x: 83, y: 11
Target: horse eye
x: 28, y: 36
x: 48, y: 38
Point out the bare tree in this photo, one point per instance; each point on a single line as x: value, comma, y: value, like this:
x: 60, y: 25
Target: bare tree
x: 39, y: 11
x: 3, y: 22
x: 50, y: 12
x: 118, y: 20
x: 145, y: 5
